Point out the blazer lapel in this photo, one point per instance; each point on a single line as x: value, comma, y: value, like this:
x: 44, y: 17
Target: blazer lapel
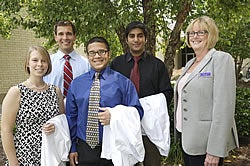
x: 200, y: 66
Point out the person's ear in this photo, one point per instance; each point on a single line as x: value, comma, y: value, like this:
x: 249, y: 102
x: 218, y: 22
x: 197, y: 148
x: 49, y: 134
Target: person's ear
x: 109, y: 54
x: 55, y: 37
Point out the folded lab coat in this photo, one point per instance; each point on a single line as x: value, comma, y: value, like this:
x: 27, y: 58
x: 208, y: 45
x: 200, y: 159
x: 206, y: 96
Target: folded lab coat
x: 155, y: 122
x: 56, y: 146
x: 122, y: 139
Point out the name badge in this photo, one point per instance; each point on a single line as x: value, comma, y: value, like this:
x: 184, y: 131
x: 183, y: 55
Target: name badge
x: 205, y: 74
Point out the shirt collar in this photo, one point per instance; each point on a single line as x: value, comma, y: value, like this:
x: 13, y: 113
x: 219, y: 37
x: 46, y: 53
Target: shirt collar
x: 104, y: 73
x: 72, y: 55
x: 129, y: 56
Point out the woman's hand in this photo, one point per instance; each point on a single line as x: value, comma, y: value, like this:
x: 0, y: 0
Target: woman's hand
x: 13, y: 163
x: 211, y: 160
x: 48, y: 128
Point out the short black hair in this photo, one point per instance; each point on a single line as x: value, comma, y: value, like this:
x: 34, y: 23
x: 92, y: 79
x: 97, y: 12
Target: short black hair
x: 65, y: 23
x: 97, y: 39
x: 136, y: 24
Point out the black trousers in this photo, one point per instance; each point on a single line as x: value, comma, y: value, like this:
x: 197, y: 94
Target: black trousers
x: 197, y: 160
x: 90, y: 157
x: 152, y: 154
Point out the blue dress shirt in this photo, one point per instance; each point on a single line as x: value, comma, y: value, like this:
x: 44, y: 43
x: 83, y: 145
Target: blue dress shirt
x: 79, y: 65
x: 115, y: 89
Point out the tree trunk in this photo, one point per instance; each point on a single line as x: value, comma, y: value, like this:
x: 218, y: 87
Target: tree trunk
x: 174, y: 40
x: 120, y: 30
x: 238, y: 61
x: 122, y: 38
x: 149, y: 20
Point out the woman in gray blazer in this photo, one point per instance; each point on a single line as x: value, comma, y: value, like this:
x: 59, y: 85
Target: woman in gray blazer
x: 205, y: 99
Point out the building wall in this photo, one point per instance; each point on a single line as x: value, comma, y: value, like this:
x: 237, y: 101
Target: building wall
x: 12, y: 55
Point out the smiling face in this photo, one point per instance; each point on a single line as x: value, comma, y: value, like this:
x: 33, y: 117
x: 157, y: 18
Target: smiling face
x: 65, y: 39
x: 98, y: 61
x: 198, y: 42
x: 37, y: 64
x: 136, y: 41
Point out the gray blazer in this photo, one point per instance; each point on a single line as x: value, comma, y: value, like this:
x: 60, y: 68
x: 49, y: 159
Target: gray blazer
x: 208, y: 106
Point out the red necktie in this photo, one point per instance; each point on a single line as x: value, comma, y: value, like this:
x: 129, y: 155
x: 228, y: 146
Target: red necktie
x: 135, y: 75
x: 67, y: 76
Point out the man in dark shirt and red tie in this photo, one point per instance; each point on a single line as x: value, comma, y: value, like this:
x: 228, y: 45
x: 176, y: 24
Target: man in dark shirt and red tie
x: 152, y: 77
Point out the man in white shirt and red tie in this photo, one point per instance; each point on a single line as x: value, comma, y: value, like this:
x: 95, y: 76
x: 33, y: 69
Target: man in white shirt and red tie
x: 67, y: 64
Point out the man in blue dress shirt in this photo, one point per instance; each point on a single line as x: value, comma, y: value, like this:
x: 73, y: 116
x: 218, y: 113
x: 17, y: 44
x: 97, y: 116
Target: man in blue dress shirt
x: 65, y: 36
x: 115, y: 89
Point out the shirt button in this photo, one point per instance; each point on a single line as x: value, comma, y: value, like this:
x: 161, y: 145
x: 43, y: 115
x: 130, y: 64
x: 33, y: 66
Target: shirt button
x: 185, y: 109
x: 185, y: 118
x: 184, y: 100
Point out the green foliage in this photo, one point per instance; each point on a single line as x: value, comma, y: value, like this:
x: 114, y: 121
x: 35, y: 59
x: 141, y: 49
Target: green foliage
x: 242, y: 111
x: 233, y: 26
x: 175, y: 153
x: 109, y: 18
x: 5, y: 26
x: 91, y: 17
x: 174, y: 156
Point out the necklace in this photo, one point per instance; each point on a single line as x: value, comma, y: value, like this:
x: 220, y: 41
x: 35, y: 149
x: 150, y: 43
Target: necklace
x: 35, y: 87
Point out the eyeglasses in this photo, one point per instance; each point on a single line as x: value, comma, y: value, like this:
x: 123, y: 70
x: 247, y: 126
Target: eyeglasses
x: 99, y: 52
x: 199, y: 33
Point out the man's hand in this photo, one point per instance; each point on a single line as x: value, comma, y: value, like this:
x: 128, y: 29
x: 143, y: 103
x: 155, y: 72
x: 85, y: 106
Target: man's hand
x: 73, y: 159
x: 104, y: 117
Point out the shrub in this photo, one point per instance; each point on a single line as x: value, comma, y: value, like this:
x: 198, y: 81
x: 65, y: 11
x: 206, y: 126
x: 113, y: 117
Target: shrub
x: 175, y: 155
x: 242, y: 111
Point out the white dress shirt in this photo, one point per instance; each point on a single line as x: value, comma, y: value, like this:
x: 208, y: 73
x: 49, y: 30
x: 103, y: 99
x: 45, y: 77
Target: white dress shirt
x: 78, y: 63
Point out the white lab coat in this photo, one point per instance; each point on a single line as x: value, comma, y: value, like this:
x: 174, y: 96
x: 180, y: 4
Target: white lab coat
x: 155, y: 122
x: 56, y: 146
x: 122, y: 140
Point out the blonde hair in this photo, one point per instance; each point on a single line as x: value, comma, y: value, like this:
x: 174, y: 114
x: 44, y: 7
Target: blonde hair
x: 43, y: 52
x: 208, y: 24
